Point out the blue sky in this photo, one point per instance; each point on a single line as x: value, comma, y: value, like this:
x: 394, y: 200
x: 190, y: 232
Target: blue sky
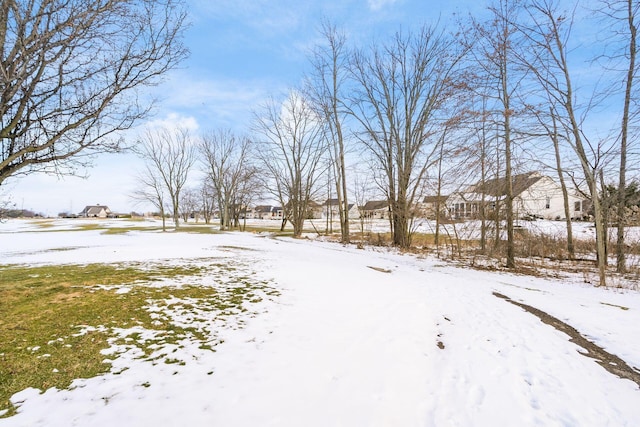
x: 242, y: 51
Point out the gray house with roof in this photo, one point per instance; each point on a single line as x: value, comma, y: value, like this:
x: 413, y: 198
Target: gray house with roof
x: 95, y: 211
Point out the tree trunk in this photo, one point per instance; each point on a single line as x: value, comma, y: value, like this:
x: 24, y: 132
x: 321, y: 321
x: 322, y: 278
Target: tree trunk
x: 600, y: 235
x: 606, y: 208
x: 622, y: 184
x: 436, y: 237
x: 401, y: 231
x: 497, y: 207
x: 565, y: 193
x: 511, y: 259
x: 483, y: 178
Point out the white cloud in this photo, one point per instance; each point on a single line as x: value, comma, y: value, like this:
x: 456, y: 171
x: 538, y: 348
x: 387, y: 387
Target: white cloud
x: 203, y: 103
x: 267, y: 17
x: 376, y: 5
x: 174, y: 121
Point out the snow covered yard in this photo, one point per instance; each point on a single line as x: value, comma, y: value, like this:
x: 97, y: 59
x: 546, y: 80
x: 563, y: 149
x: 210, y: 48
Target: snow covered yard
x: 352, y: 338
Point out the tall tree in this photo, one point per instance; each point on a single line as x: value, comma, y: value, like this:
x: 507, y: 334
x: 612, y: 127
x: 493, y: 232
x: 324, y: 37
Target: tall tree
x: 250, y: 187
x: 291, y: 145
x: 190, y: 204
x: 71, y: 72
x: 150, y: 189
x: 497, y: 61
x: 400, y: 88
x: 621, y: 17
x: 169, y: 156
x: 325, y: 91
x: 207, y: 197
x: 548, y: 37
x: 225, y: 157
x: 555, y: 138
x: 548, y: 119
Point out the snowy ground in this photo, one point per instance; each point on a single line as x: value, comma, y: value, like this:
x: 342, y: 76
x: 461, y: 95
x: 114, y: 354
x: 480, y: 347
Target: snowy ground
x: 410, y: 342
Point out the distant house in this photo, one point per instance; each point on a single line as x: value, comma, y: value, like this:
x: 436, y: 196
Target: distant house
x: 535, y: 195
x: 375, y: 209
x: 331, y: 209
x: 265, y: 212
x: 315, y: 210
x: 430, y: 205
x: 95, y: 211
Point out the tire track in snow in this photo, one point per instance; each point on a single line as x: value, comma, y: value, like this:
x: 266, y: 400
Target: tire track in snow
x: 608, y: 361
x: 499, y: 368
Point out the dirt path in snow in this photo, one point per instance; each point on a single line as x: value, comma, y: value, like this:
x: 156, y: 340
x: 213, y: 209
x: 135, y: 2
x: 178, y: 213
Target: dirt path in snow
x: 608, y: 361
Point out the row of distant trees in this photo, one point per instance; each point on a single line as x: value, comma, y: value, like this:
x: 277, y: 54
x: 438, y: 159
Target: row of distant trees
x: 422, y: 109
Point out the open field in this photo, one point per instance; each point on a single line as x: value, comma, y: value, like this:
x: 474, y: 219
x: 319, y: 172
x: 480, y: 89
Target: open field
x: 113, y: 322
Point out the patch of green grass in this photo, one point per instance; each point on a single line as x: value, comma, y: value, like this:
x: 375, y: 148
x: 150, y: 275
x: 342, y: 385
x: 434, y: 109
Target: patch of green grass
x: 272, y: 231
x: 44, y: 223
x: 88, y: 226
x: 200, y: 229
x: 55, y: 320
x: 124, y: 230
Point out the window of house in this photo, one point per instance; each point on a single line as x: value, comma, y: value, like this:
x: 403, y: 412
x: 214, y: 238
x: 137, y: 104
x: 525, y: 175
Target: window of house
x: 548, y: 204
x: 577, y: 206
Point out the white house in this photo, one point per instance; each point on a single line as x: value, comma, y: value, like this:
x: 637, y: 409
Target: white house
x: 431, y: 204
x: 535, y: 195
x: 376, y: 209
x: 95, y: 211
x: 265, y: 212
x: 330, y: 209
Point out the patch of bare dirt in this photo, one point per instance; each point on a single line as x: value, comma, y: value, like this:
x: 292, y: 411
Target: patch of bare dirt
x: 380, y: 269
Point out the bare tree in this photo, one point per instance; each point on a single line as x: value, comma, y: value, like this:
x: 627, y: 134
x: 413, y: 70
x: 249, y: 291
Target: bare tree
x: 468, y: 154
x: 400, y: 88
x: 5, y: 205
x: 363, y: 190
x: 497, y: 62
x: 291, y: 145
x: 169, y: 156
x: 189, y: 204
x: 225, y: 158
x: 71, y: 73
x: 250, y: 187
x: 150, y: 189
x: 555, y: 138
x: 325, y: 91
x: 207, y: 198
x: 620, y: 17
x: 548, y: 46
x: 547, y: 123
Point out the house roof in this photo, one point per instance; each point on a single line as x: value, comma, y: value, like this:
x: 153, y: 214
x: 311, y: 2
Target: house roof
x: 434, y: 199
x: 264, y: 208
x: 374, y: 205
x: 334, y: 202
x: 498, y: 187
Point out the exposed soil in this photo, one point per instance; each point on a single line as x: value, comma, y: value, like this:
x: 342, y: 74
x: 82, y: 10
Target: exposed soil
x: 608, y: 361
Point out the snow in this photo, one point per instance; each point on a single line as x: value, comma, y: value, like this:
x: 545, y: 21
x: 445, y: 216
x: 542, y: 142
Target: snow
x: 353, y: 339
